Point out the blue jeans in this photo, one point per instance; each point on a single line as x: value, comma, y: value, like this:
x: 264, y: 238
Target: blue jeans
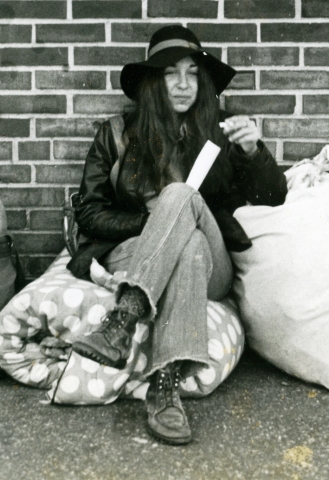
x: 179, y: 261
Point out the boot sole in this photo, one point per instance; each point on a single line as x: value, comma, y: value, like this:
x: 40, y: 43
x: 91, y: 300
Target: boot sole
x: 84, y: 351
x: 169, y: 440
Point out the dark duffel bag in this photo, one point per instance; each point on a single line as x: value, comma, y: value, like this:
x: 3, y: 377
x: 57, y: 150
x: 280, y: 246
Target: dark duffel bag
x: 12, y: 278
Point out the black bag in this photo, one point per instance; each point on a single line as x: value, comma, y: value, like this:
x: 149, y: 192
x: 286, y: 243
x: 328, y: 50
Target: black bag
x: 12, y: 278
x: 70, y: 226
x: 71, y: 235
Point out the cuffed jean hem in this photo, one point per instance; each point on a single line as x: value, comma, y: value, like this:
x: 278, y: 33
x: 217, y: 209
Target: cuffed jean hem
x: 140, y: 285
x: 205, y: 363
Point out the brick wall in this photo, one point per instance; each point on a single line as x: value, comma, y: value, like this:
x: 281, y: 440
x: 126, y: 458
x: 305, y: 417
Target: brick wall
x: 59, y: 77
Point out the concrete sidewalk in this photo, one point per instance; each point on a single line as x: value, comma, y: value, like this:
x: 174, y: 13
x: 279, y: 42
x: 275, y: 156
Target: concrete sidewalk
x: 260, y: 424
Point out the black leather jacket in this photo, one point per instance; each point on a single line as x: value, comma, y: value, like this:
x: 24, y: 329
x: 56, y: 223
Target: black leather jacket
x: 108, y: 217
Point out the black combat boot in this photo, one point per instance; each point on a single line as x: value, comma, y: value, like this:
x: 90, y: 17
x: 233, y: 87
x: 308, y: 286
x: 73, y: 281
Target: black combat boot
x: 166, y: 417
x: 111, y: 343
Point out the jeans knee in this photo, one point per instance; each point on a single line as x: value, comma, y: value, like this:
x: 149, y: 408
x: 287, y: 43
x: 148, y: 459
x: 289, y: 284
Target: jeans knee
x: 177, y: 190
x: 198, y: 249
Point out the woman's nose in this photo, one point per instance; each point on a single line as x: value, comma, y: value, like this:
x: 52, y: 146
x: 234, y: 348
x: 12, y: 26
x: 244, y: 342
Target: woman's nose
x: 182, y: 80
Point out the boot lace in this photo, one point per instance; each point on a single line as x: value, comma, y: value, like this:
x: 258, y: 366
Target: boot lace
x: 168, y: 385
x: 111, y: 323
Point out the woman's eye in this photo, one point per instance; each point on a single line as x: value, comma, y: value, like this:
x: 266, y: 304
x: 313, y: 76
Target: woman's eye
x: 170, y: 72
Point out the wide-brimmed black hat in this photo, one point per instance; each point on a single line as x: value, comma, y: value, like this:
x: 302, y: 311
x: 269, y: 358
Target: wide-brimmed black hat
x: 167, y: 46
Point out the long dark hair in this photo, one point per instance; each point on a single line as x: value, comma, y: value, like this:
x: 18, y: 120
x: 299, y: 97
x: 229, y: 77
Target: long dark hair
x: 159, y: 137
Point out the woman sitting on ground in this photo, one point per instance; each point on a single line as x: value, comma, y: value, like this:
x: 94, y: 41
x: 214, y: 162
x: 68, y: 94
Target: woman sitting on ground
x: 164, y: 233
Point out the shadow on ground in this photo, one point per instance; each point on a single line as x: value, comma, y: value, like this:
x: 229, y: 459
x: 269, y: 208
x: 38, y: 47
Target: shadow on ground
x: 260, y: 424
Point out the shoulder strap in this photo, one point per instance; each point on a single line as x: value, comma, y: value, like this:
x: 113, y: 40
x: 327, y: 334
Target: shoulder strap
x: 117, y: 125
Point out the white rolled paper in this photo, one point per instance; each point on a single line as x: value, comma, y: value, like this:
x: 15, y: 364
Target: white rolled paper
x: 202, y: 164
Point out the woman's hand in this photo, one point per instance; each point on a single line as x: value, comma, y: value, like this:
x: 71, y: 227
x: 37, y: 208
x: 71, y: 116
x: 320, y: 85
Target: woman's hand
x: 242, y: 131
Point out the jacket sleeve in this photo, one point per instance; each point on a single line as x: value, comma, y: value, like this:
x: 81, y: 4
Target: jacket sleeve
x: 258, y: 179
x: 97, y: 214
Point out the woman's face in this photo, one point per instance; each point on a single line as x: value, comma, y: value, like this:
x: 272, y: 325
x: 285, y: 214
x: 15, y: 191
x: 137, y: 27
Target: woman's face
x: 181, y: 80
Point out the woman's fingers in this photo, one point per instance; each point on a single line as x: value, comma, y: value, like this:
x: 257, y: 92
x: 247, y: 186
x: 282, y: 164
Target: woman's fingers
x: 242, y: 131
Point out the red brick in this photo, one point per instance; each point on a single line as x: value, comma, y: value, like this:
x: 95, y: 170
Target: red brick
x: 15, y: 80
x: 252, y: 104
x: 73, y: 190
x: 36, y: 266
x: 32, y: 197
x: 182, y: 8
x: 38, y: 242
x: 33, y: 56
x: 294, y: 79
x: 259, y: 9
x: 243, y: 80
x: 6, y: 151
x: 294, y: 32
x: 296, y: 128
x: 99, y: 103
x: 315, y: 56
x: 33, y: 9
x: 12, y: 127
x: 16, y: 219
x: 15, y: 174
x: 71, y: 33
x: 315, y: 8
x: 299, y: 150
x: 62, y: 174
x: 107, y: 9
x: 107, y: 55
x: 316, y: 104
x: 33, y: 104
x: 135, y: 32
x: 115, y: 80
x: 71, y: 150
x: 15, y: 33
x: 225, y: 33
x: 71, y: 80
x: 263, y: 56
x: 34, y: 150
x: 46, y: 220
x: 272, y: 146
x: 66, y: 127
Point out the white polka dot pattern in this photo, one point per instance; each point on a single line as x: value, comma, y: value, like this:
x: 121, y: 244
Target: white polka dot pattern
x: 72, y: 322
x: 89, y: 365
x: 68, y: 308
x: 13, y: 357
x: 38, y: 372
x: 22, y: 302
x: 22, y: 375
x: 120, y: 381
x: 48, y: 308
x: 34, y: 322
x: 225, y: 372
x: 189, y: 385
x: 96, y: 387
x: 207, y: 375
x: 227, y: 343
x: 215, y: 349
x: 232, y: 334
x: 142, y: 332
x: 70, y: 384
x: 95, y: 314
x: 10, y: 324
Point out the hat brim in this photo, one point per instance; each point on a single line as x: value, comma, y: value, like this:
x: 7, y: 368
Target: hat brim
x: 133, y: 73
